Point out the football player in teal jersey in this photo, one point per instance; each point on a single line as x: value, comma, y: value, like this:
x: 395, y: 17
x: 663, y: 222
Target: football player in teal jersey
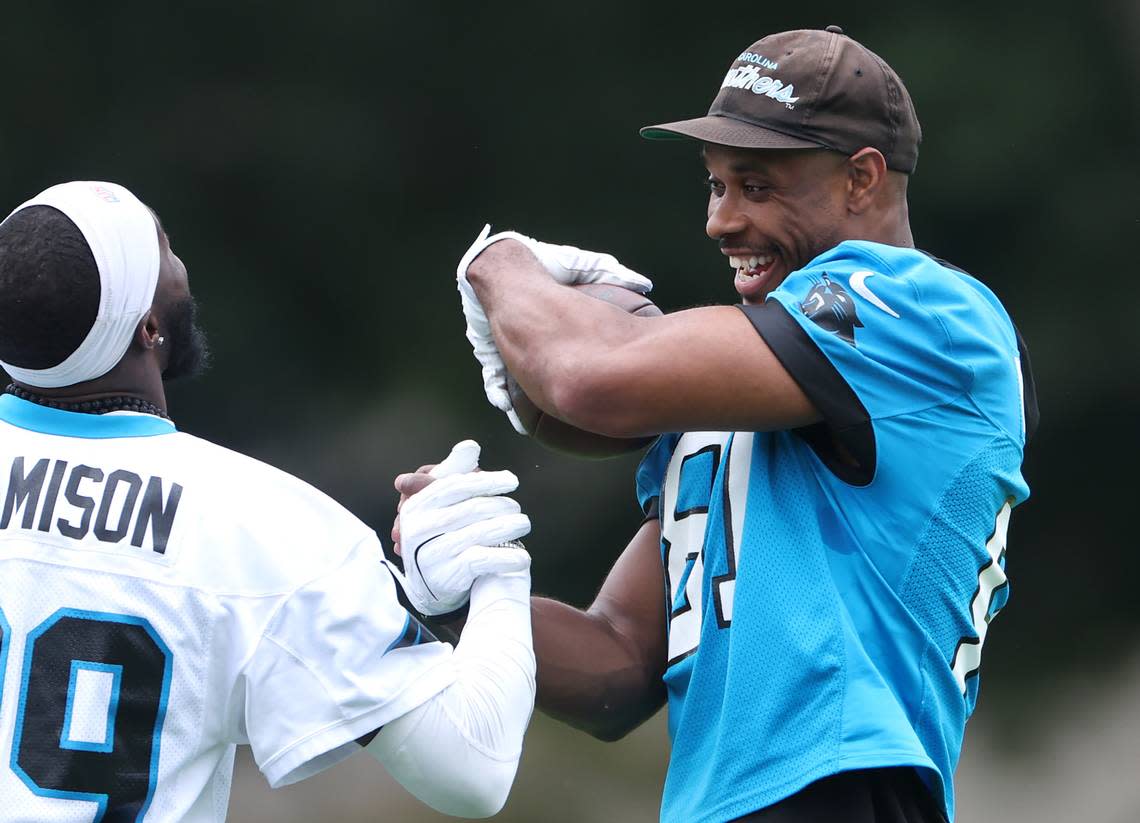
x: 827, y: 505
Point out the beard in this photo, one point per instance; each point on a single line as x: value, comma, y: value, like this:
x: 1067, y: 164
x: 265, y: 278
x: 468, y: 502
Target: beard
x: 189, y: 352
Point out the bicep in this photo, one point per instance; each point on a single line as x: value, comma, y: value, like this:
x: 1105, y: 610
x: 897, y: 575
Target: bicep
x: 702, y: 369
x: 632, y: 598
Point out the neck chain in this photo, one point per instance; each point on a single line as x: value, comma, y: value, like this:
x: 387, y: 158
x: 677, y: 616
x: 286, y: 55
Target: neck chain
x: 101, y: 406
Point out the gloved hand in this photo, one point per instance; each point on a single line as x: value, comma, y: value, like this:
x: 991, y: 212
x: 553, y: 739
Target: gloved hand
x: 479, y: 332
x: 453, y: 530
x: 568, y: 265
x: 572, y: 266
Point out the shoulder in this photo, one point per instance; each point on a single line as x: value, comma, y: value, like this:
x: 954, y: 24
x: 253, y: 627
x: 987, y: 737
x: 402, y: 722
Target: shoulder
x: 263, y: 526
x: 889, y: 279
x: 860, y: 292
x: 871, y: 331
x: 913, y: 275
x: 229, y: 470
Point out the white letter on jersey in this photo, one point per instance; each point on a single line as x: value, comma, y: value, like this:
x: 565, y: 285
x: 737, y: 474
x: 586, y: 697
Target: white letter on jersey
x: 684, y: 531
x: 991, y: 577
x: 736, y: 479
x: 683, y: 536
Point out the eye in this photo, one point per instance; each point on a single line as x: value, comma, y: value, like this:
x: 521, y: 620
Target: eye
x: 714, y: 186
x: 753, y: 189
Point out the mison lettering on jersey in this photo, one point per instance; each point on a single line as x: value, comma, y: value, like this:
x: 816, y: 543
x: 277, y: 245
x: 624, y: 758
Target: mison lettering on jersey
x: 113, y: 505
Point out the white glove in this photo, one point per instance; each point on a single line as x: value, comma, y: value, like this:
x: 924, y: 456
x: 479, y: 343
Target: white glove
x: 572, y: 266
x: 568, y: 265
x: 479, y: 332
x: 451, y: 531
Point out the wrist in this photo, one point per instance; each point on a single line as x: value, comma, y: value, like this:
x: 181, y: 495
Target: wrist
x: 494, y: 588
x: 494, y: 257
x: 447, y: 627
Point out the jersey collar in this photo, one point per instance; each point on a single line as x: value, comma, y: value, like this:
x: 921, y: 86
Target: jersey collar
x: 37, y: 418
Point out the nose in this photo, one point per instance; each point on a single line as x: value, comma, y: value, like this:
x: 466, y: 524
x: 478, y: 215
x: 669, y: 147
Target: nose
x: 725, y: 217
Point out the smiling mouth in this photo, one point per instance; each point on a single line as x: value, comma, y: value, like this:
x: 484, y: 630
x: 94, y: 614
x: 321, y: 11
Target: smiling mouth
x: 752, y: 268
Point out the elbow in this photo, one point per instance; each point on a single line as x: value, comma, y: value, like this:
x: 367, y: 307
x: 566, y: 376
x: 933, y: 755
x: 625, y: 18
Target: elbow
x: 609, y: 710
x: 612, y: 732
x: 475, y: 795
x: 456, y: 780
x: 606, y: 724
x: 489, y: 800
x: 444, y: 766
x: 625, y: 707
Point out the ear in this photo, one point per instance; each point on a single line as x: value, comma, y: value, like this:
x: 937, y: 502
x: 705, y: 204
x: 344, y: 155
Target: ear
x: 866, y: 174
x: 146, y: 333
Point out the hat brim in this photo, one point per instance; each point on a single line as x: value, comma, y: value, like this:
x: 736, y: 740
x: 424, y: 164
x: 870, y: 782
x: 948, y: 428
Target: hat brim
x: 725, y: 131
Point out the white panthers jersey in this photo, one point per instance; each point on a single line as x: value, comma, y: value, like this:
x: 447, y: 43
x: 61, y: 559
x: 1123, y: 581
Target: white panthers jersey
x: 163, y: 599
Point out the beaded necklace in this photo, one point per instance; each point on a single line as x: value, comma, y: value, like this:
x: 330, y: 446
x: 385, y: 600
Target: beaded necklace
x: 101, y: 406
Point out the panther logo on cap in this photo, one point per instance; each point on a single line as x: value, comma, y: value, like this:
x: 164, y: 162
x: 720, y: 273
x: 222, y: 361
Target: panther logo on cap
x: 831, y: 308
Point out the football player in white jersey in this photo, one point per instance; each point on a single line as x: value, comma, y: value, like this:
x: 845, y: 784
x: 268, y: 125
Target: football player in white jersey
x: 163, y: 599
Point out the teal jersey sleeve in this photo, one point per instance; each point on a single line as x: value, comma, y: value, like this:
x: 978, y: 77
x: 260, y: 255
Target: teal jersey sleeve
x: 874, y: 325
x: 651, y: 471
x: 874, y: 332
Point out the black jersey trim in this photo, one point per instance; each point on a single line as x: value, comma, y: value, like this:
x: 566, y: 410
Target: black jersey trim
x: 1028, y: 388
x: 889, y: 794
x: 652, y: 510
x: 427, y: 627
x: 844, y: 415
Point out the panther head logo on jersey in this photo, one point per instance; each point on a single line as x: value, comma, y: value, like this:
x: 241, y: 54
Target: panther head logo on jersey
x: 831, y: 308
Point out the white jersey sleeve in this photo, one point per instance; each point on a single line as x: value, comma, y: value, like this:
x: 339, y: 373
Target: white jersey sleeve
x: 338, y: 659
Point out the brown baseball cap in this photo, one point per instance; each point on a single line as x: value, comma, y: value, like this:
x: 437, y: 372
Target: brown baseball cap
x: 808, y: 89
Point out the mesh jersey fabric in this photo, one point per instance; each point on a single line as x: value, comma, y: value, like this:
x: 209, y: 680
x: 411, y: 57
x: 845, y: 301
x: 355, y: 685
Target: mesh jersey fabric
x: 825, y: 617
x: 163, y: 599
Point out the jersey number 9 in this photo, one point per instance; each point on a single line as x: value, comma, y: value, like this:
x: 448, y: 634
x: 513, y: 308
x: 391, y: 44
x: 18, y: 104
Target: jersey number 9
x: 93, y: 695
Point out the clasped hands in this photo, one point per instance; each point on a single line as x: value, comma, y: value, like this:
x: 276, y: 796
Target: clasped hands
x: 451, y: 529
x: 568, y: 265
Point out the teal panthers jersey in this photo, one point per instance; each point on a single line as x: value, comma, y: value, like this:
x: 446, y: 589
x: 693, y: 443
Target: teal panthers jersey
x: 830, y: 588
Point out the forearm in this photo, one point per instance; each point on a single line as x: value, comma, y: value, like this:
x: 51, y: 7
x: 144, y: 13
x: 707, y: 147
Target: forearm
x: 590, y: 675
x: 459, y: 751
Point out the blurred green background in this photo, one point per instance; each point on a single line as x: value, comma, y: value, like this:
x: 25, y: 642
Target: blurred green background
x: 321, y: 167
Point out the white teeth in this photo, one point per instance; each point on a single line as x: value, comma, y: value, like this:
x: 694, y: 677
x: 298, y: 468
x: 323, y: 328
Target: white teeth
x: 750, y: 263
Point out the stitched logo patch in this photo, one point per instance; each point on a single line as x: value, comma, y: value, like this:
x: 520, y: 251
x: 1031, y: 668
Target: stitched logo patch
x: 830, y: 307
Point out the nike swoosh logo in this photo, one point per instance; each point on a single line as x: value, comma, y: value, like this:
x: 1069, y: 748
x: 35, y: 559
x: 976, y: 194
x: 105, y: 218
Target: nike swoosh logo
x: 859, y: 286
x: 416, y: 560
